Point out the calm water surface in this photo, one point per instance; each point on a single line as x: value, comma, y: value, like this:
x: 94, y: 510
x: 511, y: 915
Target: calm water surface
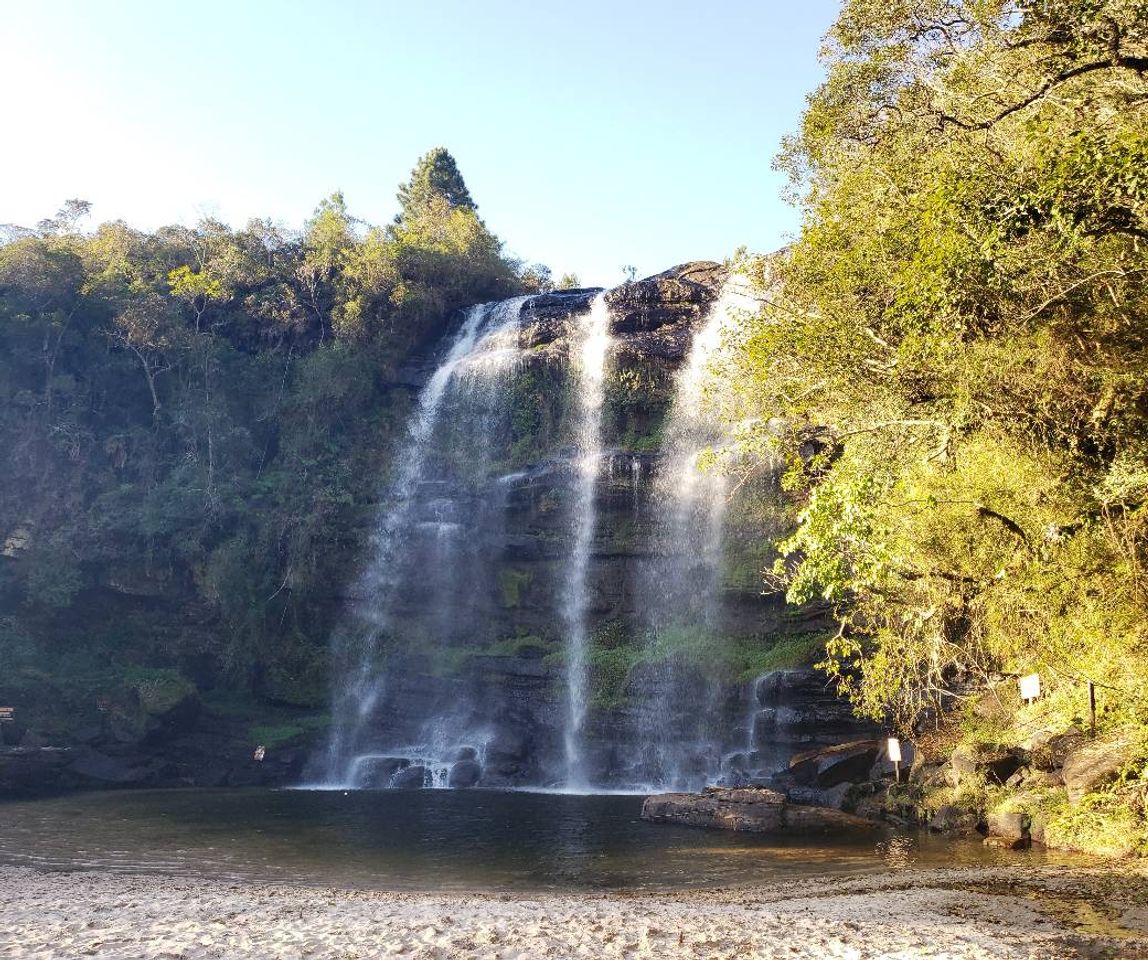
x: 435, y: 840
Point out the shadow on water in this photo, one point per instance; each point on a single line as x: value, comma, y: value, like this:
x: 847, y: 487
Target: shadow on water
x: 435, y: 840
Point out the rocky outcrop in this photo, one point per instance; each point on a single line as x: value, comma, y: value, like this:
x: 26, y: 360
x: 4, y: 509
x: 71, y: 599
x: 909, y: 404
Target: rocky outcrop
x: 650, y: 319
x: 1095, y: 763
x: 682, y: 293
x: 749, y: 810
x: 797, y: 713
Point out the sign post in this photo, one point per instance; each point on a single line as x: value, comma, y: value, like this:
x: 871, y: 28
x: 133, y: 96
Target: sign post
x: 893, y: 748
x: 7, y: 714
x: 1030, y: 687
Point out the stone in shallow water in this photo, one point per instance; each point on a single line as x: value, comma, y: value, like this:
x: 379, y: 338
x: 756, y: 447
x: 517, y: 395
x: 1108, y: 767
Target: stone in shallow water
x: 465, y: 773
x: 748, y: 810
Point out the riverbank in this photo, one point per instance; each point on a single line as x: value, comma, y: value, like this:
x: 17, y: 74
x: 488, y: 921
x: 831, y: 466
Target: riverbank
x: 1021, y: 912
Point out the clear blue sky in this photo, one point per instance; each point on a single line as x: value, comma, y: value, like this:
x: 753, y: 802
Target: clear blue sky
x: 591, y: 134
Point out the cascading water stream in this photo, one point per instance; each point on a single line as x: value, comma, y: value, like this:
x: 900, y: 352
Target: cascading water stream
x: 593, y: 345
x: 681, y: 585
x: 479, y: 353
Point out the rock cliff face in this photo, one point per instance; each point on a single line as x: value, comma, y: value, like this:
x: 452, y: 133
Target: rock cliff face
x: 474, y: 660
x: 477, y: 661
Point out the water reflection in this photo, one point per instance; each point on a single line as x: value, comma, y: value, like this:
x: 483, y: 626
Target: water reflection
x: 435, y: 840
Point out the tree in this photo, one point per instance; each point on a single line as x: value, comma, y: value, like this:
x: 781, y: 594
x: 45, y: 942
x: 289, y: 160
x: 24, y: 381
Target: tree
x: 952, y: 362
x: 537, y: 278
x: 435, y: 175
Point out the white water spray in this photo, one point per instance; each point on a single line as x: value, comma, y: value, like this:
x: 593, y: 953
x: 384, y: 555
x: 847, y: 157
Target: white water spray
x: 481, y: 350
x: 681, y: 585
x: 593, y: 345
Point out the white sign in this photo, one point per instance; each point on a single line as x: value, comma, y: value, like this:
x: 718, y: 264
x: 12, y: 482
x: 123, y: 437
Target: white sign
x: 1030, y: 686
x: 894, y: 749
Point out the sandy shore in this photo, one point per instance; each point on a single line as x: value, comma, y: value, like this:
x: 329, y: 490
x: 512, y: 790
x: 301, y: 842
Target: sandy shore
x: 972, y: 913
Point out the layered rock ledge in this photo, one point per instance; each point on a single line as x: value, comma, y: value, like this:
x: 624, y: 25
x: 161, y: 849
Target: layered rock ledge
x: 748, y: 810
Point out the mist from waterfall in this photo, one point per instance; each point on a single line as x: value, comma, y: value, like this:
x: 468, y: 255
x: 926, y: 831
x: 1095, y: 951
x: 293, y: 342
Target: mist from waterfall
x: 590, y: 347
x: 680, y: 585
x: 422, y: 540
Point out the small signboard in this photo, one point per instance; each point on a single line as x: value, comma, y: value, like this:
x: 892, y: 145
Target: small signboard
x: 1030, y: 687
x: 7, y: 714
x: 894, y: 749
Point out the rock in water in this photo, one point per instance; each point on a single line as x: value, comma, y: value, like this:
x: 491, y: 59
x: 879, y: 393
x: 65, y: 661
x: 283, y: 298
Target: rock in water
x: 412, y: 778
x: 748, y: 810
x: 464, y: 773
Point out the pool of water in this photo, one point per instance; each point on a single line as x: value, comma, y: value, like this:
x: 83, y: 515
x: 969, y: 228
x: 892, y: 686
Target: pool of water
x: 436, y: 840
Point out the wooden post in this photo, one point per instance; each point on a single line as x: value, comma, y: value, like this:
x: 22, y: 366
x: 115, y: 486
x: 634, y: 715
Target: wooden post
x: 1092, y: 707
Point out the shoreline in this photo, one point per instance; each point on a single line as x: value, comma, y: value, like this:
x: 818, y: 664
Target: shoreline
x: 984, y: 913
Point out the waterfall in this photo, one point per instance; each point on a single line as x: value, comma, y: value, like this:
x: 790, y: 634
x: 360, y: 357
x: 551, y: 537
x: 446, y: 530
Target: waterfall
x: 592, y: 344
x: 468, y: 383
x: 680, y: 586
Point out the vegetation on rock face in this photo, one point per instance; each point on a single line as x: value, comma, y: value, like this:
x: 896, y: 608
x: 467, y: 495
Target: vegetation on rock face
x: 196, y: 421
x: 957, y: 371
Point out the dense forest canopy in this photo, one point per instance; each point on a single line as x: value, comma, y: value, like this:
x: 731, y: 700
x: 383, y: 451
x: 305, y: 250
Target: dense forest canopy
x: 208, y: 411
x: 963, y: 342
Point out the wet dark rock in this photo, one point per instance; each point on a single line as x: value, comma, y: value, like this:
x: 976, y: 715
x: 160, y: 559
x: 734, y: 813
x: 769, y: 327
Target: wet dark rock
x: 465, y: 773
x: 751, y: 810
x: 107, y: 770
x: 840, y: 764
x: 801, y: 711
x: 413, y: 777
x: 376, y: 773
x: 950, y: 818
x: 681, y: 293
x: 466, y: 753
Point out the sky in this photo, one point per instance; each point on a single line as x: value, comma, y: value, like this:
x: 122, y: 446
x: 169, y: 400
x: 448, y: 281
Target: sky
x: 593, y: 135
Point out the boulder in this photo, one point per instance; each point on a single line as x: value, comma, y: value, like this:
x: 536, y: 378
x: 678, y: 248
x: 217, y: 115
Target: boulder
x: 829, y: 766
x: 1048, y: 746
x: 464, y: 773
x: 944, y: 819
x: 1095, y: 763
x: 995, y: 763
x: 747, y: 810
x: 1011, y: 825
x: 410, y: 778
x: 952, y: 819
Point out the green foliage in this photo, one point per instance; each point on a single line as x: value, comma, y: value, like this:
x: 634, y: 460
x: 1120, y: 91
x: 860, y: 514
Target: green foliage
x: 435, y: 177
x: 272, y: 735
x: 952, y: 365
x: 159, y: 690
x: 511, y: 583
x: 197, y: 421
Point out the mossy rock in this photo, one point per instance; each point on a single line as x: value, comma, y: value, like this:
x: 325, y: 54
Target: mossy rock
x: 163, y: 692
